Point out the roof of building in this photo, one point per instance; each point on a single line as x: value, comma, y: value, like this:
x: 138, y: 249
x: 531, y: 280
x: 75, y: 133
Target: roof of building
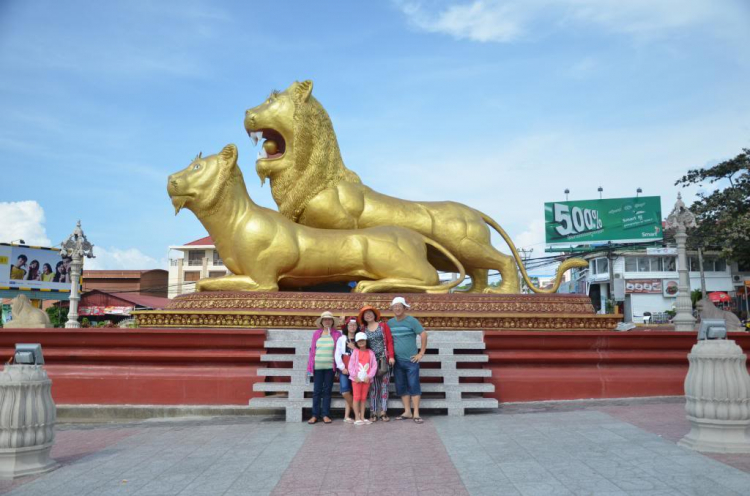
x: 203, y: 241
x: 99, y: 297
x: 117, y: 274
x: 155, y: 302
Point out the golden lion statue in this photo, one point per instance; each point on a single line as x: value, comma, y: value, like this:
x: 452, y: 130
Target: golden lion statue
x: 265, y: 250
x: 312, y: 186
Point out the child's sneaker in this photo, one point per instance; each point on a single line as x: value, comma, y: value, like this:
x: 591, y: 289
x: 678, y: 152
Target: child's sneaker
x: 359, y: 422
x: 366, y: 422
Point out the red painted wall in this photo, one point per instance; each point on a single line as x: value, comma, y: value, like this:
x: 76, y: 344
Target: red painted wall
x: 146, y: 366
x: 536, y: 366
x: 219, y: 367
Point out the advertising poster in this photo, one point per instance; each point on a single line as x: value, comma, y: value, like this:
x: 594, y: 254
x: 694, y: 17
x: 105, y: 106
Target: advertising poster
x: 671, y: 288
x: 643, y: 286
x: 619, y: 220
x: 33, y: 268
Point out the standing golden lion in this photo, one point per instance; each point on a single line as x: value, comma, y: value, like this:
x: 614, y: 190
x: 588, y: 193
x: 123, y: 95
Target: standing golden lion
x: 312, y: 186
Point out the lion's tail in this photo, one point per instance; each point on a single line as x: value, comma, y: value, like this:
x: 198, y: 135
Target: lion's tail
x: 564, y: 266
x: 444, y: 288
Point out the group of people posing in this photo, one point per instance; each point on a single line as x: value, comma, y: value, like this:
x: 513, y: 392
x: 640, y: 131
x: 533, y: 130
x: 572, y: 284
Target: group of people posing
x: 363, y: 355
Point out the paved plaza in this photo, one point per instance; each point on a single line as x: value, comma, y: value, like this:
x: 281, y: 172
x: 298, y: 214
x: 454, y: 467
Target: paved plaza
x: 599, y: 448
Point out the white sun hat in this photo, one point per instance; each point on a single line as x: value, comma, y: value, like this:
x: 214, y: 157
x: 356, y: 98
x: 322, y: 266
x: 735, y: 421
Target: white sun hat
x: 360, y: 336
x: 400, y: 299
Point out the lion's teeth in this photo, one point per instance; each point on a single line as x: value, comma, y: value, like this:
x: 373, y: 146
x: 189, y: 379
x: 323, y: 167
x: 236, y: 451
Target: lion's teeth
x: 262, y: 153
x: 254, y: 138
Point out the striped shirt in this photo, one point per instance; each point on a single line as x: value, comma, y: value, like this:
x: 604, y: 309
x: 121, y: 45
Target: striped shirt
x: 324, y: 353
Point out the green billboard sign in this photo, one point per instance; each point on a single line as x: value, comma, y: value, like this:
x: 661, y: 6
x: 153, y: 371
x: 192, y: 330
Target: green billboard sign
x: 619, y: 220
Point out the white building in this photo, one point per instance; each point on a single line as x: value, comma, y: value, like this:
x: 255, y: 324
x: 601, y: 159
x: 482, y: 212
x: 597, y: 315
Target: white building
x: 195, y: 260
x: 646, y: 280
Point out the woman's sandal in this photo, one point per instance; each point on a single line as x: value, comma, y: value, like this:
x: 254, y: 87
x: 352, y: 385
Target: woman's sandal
x: 403, y: 417
x: 385, y: 418
x: 373, y: 419
x: 326, y: 420
x: 313, y: 420
x: 418, y: 420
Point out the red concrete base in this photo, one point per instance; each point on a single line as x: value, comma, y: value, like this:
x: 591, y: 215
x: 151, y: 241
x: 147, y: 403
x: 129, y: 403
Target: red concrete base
x: 538, y: 366
x: 218, y: 366
x: 146, y: 366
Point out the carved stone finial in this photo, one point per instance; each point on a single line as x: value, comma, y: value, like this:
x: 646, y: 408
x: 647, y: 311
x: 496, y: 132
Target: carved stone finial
x: 680, y: 217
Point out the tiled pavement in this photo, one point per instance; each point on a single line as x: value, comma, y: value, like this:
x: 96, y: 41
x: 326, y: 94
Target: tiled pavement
x: 615, y: 448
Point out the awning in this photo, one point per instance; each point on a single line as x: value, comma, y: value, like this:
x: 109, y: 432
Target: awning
x: 719, y: 297
x: 99, y: 310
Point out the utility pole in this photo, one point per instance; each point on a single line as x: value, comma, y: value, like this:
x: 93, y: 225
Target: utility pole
x: 611, y: 267
x: 525, y: 255
x: 703, y: 274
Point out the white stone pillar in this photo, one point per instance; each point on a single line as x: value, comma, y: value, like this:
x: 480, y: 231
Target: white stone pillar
x: 717, y: 393
x: 76, y: 247
x: 27, y: 421
x: 681, y: 219
x: 683, y: 320
x: 75, y: 297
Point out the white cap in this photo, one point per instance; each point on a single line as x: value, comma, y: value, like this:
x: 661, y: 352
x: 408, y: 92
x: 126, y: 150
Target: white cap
x: 400, y: 299
x: 360, y: 336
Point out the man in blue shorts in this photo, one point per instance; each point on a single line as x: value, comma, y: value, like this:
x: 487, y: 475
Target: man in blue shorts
x: 405, y: 330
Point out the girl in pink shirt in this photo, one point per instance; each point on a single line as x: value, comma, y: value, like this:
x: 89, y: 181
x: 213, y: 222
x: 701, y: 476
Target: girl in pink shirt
x: 362, y: 368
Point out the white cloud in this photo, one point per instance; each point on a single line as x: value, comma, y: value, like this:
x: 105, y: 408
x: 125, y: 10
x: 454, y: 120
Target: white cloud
x: 23, y: 220
x: 532, y: 237
x: 506, y: 21
x: 124, y: 259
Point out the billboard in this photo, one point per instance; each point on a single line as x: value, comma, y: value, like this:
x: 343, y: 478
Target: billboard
x: 587, y: 222
x: 33, y: 268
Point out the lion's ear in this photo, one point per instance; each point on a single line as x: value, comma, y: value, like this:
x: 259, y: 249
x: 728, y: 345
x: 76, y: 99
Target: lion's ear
x: 228, y: 156
x: 303, y: 90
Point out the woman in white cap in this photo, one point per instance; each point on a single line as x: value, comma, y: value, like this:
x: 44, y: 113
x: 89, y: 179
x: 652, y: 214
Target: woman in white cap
x: 321, y: 365
x: 362, y: 368
x: 405, y: 329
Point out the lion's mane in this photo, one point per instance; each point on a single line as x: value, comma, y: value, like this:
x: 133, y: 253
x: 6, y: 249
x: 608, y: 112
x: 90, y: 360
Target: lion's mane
x: 317, y: 161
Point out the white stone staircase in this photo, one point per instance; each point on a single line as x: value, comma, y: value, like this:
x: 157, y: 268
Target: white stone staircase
x: 448, y: 395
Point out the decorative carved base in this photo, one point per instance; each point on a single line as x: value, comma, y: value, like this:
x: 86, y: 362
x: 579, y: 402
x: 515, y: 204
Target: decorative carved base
x: 717, y: 436
x: 17, y: 462
x: 290, y: 310
x: 717, y: 393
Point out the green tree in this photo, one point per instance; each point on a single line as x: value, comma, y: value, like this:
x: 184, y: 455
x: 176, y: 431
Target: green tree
x: 723, y: 215
x: 58, y: 316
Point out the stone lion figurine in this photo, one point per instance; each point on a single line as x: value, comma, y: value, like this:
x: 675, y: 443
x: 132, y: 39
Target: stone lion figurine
x: 707, y: 310
x: 25, y: 315
x: 265, y: 250
x: 312, y: 186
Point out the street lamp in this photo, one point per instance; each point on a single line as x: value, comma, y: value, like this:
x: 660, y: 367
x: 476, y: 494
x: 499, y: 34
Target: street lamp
x: 567, y: 192
x: 638, y: 192
x: 600, y: 192
x: 76, y: 247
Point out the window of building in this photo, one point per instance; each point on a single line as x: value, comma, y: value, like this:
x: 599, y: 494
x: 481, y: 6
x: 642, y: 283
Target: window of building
x: 710, y: 264
x: 192, y: 276
x: 195, y: 257
x: 217, y: 259
x: 649, y: 264
x: 217, y: 273
x: 599, y: 266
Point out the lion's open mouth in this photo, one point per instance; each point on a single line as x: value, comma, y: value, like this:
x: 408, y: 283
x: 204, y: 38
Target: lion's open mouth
x: 272, y: 143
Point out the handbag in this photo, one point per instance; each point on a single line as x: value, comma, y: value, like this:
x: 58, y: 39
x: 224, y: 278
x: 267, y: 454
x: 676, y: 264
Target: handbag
x: 382, y: 366
x: 345, y: 359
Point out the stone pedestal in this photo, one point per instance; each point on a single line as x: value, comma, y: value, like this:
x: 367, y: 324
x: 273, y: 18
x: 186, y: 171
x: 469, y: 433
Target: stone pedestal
x: 717, y: 390
x: 27, y: 421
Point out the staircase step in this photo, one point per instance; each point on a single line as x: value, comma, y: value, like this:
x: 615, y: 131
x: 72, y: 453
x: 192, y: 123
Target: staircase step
x: 338, y: 403
x: 305, y: 345
x: 422, y: 372
x: 479, y: 387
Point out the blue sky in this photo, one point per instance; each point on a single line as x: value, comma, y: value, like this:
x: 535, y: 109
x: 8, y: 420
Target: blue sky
x: 497, y: 104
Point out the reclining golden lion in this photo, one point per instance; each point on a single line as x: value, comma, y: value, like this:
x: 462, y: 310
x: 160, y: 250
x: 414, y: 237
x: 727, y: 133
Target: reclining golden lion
x: 264, y: 249
x: 312, y: 186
